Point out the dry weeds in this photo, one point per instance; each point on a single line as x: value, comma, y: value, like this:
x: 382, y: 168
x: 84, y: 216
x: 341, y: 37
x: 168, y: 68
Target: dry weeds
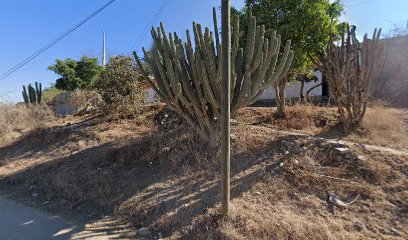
x: 152, y: 172
x: 16, y: 119
x: 306, y: 118
x: 385, y: 126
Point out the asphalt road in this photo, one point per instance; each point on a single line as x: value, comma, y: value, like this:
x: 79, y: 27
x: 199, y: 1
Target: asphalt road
x: 18, y: 222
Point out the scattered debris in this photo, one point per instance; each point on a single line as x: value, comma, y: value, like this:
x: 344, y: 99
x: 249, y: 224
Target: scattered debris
x: 334, y: 200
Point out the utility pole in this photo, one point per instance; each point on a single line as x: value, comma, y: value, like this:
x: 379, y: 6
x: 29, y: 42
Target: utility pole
x: 103, y: 49
x: 225, y: 105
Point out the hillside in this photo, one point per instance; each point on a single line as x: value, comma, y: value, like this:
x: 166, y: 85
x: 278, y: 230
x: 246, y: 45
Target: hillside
x: 152, y: 172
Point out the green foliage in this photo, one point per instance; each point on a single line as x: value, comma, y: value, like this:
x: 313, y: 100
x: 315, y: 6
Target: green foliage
x: 32, y: 95
x: 80, y: 74
x: 307, y: 23
x: 120, y: 87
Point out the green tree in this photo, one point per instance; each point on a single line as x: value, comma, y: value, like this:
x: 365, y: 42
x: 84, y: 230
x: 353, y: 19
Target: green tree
x: 80, y: 74
x: 307, y: 23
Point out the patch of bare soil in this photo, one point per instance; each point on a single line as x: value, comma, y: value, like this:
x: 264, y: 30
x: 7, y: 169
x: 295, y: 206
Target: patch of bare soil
x: 152, y: 172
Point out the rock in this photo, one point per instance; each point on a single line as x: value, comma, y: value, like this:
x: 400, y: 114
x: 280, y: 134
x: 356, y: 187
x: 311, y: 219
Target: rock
x: 360, y: 159
x: 358, y: 225
x: 296, y: 149
x: 339, y: 158
x: 348, y: 155
x: 34, y: 195
x: 342, y: 150
x: 144, y: 231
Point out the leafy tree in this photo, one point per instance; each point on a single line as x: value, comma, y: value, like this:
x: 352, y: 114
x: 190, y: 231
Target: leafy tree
x: 306, y: 23
x: 75, y: 74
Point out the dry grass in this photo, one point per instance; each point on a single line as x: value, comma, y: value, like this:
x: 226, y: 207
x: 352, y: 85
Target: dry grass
x: 151, y: 171
x: 16, y: 119
x: 385, y: 127
x: 290, y: 201
x: 305, y: 117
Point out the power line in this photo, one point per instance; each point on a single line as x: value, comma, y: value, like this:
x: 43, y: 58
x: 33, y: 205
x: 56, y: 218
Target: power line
x: 154, y: 19
x: 52, y: 43
x: 150, y: 23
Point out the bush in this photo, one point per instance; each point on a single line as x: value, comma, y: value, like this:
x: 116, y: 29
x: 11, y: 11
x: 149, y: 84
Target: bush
x: 120, y: 87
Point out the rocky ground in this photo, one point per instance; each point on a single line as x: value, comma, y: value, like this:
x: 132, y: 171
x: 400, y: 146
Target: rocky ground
x: 297, y: 178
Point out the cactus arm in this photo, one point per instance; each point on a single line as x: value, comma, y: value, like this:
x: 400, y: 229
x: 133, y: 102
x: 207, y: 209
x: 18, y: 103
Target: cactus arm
x: 188, y: 75
x: 149, y: 81
x: 250, y: 40
x: 217, y: 36
x: 276, y: 75
x: 25, y: 95
x: 237, y: 90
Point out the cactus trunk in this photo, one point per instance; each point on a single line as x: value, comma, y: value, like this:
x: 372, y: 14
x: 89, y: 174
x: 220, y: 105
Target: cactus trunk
x: 32, y: 95
x: 351, y: 67
x: 188, y: 76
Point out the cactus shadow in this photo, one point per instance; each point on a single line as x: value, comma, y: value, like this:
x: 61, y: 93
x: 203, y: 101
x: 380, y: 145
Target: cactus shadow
x: 134, y: 181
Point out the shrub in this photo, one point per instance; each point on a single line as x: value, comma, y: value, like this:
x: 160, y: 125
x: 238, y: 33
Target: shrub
x: 120, y: 88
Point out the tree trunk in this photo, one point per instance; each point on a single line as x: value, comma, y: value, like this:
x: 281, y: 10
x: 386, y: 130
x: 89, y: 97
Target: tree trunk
x: 302, y: 89
x: 280, y: 97
x: 311, y: 89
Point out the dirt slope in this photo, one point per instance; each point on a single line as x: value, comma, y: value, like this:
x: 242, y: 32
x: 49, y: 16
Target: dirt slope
x: 152, y: 172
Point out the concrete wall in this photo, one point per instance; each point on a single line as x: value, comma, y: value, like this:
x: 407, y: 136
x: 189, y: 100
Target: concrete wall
x: 293, y: 89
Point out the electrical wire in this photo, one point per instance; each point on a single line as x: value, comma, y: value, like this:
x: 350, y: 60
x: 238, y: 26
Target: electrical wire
x: 150, y: 23
x: 55, y: 41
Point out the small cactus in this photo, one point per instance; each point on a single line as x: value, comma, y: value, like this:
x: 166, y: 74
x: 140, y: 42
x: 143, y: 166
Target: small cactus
x: 32, y: 95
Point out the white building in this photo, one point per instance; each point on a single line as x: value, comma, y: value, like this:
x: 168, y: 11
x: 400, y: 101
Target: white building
x: 293, y: 89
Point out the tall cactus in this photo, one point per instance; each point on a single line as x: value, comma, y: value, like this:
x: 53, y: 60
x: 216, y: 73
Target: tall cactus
x: 188, y: 76
x: 351, y: 67
x: 32, y: 95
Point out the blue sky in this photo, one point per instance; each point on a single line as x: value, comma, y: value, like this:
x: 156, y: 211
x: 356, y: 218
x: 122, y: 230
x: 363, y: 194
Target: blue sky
x: 28, y: 25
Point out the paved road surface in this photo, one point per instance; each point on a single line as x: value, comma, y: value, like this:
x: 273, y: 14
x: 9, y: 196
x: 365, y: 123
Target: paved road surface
x: 18, y: 222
